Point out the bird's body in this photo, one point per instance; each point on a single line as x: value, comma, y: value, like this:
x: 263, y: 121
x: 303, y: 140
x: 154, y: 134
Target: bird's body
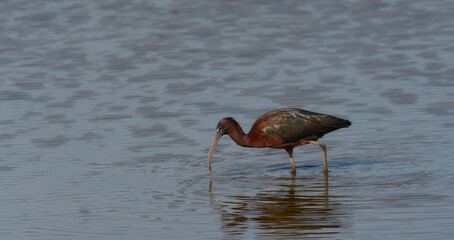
x: 281, y: 128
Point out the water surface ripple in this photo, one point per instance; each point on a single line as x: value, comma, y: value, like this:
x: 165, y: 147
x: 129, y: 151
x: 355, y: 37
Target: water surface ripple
x: 109, y: 107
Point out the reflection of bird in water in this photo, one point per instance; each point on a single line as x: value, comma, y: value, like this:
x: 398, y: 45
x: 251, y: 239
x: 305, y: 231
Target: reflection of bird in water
x: 281, y: 128
x: 292, y: 210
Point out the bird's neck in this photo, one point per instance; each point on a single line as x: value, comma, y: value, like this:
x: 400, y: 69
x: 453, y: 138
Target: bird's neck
x: 237, y: 134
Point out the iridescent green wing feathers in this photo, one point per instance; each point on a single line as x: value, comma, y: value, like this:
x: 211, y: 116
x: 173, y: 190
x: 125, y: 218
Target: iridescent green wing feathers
x: 292, y: 124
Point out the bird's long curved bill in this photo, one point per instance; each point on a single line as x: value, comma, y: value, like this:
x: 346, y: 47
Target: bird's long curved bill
x: 213, y: 144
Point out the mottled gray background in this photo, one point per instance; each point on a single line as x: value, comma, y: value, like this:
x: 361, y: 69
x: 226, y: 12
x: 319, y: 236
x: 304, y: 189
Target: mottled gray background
x: 108, y: 109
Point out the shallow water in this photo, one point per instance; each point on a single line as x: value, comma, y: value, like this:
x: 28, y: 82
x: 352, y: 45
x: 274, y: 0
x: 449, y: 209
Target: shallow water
x: 108, y: 110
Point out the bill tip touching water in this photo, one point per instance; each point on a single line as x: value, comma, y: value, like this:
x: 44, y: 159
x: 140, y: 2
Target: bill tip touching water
x: 283, y: 128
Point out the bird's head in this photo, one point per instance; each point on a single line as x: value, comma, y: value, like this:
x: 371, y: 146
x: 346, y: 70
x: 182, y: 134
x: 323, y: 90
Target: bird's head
x: 223, y: 125
x: 222, y: 129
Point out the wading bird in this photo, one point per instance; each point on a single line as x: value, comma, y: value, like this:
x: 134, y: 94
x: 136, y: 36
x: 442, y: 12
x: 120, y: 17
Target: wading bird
x: 281, y: 128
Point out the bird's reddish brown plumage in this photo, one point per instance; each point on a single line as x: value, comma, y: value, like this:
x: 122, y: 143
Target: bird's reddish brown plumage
x: 283, y: 128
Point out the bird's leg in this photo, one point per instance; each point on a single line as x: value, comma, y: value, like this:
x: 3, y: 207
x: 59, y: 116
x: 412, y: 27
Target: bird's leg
x: 290, y: 154
x: 323, y: 147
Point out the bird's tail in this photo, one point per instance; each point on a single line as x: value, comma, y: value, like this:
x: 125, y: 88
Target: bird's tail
x: 331, y: 123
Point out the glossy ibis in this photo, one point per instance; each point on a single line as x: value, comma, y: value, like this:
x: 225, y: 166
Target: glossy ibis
x: 281, y: 128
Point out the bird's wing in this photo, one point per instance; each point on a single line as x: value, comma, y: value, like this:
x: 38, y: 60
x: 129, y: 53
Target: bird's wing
x: 293, y: 125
